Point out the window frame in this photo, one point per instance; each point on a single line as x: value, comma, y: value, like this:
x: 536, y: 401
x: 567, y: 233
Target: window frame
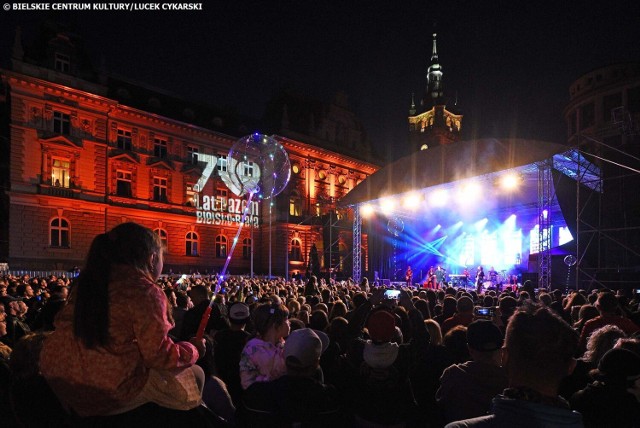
x: 60, y: 230
x: 221, y: 247
x: 192, y: 244
x: 61, y: 122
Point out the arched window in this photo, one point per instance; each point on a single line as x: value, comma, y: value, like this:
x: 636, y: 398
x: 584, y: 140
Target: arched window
x: 192, y: 244
x: 246, y: 248
x: 163, y: 237
x: 221, y: 246
x: 296, y: 250
x: 295, y: 204
x: 59, y: 231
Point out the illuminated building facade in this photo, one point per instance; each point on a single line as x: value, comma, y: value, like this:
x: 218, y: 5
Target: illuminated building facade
x: 434, y: 125
x: 83, y: 151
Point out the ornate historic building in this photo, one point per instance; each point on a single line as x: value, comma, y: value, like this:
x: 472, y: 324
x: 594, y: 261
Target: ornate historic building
x: 433, y: 124
x: 84, y: 150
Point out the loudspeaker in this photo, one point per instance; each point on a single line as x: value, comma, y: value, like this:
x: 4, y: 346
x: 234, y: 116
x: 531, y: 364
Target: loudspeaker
x: 530, y: 276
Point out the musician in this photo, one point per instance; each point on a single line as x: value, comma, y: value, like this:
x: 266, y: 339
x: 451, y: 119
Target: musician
x: 440, y: 274
x: 465, y: 277
x: 431, y: 278
x: 493, y: 276
x: 408, y: 276
x: 479, y: 279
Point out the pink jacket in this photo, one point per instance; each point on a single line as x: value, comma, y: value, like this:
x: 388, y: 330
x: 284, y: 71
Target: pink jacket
x: 101, y: 380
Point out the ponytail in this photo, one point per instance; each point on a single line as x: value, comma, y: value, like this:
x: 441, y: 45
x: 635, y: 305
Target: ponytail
x: 91, y: 312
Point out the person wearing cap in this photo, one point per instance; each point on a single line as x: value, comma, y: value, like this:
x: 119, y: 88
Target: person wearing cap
x: 613, y: 400
x: 466, y: 389
x: 381, y: 364
x: 296, y: 397
x: 228, y: 345
x: 538, y: 353
x: 607, y: 305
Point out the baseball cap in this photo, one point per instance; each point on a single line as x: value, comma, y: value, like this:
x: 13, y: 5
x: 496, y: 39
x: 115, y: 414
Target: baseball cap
x: 484, y: 336
x: 239, y: 312
x: 303, y: 347
x: 618, y: 364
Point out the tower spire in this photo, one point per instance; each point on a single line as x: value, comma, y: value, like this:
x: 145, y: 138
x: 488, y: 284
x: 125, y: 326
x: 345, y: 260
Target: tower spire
x: 412, y: 110
x: 434, y: 78
x: 434, y: 51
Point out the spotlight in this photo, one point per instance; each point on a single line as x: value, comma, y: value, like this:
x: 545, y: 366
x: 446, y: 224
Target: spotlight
x: 386, y: 206
x: 481, y: 224
x: 439, y: 198
x: 411, y: 201
x: 366, y: 210
x: 469, y: 192
x: 510, y: 181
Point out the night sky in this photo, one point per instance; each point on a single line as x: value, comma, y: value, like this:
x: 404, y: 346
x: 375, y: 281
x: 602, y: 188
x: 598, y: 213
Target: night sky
x: 509, y: 62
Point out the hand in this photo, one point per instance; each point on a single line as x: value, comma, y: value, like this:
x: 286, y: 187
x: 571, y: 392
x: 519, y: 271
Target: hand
x: 200, y: 346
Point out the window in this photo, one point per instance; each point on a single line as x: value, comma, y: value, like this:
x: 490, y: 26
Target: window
x: 62, y: 63
x: 222, y: 164
x: 159, y: 189
x: 247, y: 169
x: 191, y: 195
x: 59, y: 233
x: 163, y: 237
x: 296, y: 250
x: 295, y: 205
x: 160, y: 148
x: 61, y: 123
x: 60, y: 172
x: 587, y: 116
x: 246, y: 248
x: 609, y: 103
x: 192, y: 155
x: 124, y: 139
x: 123, y: 183
x: 221, y: 247
x: 192, y: 244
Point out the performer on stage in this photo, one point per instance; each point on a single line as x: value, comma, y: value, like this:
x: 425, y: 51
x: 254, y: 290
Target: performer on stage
x: 479, y: 279
x: 465, y: 279
x: 431, y: 278
x: 440, y: 274
x: 493, y: 276
x: 408, y: 276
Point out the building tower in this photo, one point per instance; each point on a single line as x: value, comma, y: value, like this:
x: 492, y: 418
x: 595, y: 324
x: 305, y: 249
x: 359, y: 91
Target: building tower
x: 434, y: 124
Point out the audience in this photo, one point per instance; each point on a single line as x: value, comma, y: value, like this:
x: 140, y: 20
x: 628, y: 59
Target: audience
x: 382, y: 362
x: 466, y: 389
x: 539, y: 350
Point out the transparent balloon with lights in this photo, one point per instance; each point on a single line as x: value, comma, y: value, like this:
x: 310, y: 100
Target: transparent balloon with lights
x: 257, y: 164
x: 395, y: 226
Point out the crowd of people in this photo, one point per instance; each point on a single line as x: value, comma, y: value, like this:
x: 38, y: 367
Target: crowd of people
x: 118, y: 346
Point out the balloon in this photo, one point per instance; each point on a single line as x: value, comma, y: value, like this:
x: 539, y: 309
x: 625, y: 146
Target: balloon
x: 395, y: 226
x: 257, y: 164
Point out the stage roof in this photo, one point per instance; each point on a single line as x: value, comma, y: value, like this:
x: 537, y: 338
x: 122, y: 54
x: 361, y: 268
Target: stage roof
x: 450, y: 163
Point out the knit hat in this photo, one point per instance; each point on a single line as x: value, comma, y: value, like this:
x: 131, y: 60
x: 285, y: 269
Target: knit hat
x: 381, y: 326
x: 303, y: 347
x: 484, y: 336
